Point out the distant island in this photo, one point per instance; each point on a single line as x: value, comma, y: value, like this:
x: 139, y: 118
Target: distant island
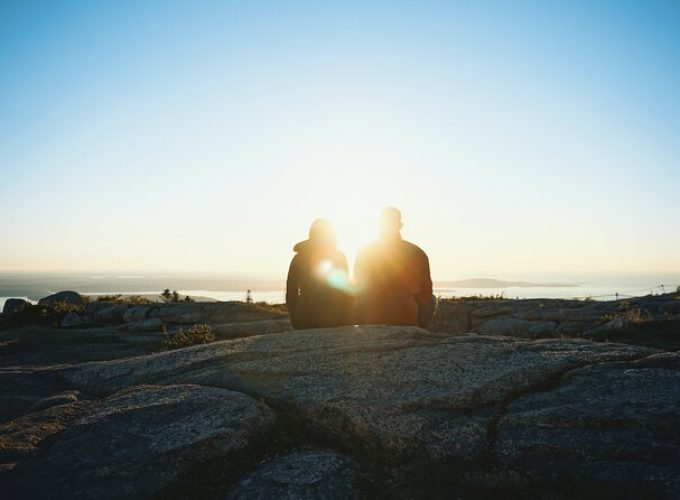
x: 494, y: 283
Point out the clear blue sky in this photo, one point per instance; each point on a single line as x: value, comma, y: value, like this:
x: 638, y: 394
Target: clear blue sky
x: 516, y: 137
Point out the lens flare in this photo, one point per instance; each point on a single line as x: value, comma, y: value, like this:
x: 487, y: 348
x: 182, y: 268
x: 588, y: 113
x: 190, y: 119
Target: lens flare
x: 324, y: 268
x: 333, y: 276
x: 338, y: 278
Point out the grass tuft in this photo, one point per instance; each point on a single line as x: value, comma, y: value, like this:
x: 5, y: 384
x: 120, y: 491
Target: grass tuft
x: 199, y: 333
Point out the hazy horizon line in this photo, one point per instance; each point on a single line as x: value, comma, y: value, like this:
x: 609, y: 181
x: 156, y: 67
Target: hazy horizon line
x: 474, y: 275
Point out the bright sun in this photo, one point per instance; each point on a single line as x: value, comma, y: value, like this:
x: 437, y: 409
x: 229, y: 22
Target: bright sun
x: 360, y: 182
x: 356, y: 225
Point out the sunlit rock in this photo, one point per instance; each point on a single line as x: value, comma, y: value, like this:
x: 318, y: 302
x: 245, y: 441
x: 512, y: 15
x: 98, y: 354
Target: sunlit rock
x: 67, y: 296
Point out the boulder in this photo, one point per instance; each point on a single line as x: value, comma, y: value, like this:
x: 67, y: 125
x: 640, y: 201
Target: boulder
x: 13, y: 306
x: 184, y: 313
x: 192, y: 312
x: 112, y: 313
x: 489, y: 309
x: 145, y: 325
x: 300, y: 474
x: 67, y: 296
x: 138, y: 442
x: 610, y: 426
x: 542, y: 329
x: 248, y: 328
x: 71, y: 320
x: 233, y: 312
x: 452, y: 317
x: 136, y: 313
x: 505, y: 326
x: 618, y: 323
x: 95, y: 305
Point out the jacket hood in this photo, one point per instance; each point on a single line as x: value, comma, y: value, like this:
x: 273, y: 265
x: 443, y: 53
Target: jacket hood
x: 301, y: 246
x: 307, y: 245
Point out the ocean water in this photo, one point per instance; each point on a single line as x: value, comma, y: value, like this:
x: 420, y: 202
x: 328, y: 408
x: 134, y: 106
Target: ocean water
x: 595, y: 287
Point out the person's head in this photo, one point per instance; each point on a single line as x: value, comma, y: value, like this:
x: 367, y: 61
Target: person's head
x: 390, y: 222
x: 322, y: 232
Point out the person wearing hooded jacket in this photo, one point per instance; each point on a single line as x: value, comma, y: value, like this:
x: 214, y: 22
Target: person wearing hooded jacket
x: 316, y: 293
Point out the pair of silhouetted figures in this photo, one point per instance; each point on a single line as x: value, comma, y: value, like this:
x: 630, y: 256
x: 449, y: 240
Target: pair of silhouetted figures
x: 392, y: 283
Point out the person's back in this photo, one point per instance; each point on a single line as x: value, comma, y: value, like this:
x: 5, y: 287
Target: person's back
x: 393, y: 277
x: 313, y: 296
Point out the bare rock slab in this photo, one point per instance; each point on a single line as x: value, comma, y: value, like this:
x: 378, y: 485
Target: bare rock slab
x: 138, y: 441
x: 393, y: 389
x: 304, y: 474
x: 611, y: 426
x: 24, y: 436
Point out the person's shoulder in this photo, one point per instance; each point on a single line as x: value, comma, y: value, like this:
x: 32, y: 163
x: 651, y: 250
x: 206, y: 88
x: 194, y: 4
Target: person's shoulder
x: 413, y: 248
x: 295, y: 261
x: 337, y: 254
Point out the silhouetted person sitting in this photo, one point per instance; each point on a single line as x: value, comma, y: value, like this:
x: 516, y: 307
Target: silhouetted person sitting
x: 316, y: 291
x: 393, y: 278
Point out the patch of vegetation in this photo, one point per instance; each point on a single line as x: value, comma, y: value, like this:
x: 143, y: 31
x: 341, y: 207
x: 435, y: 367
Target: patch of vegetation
x: 124, y: 299
x: 43, y: 314
x: 634, y: 315
x: 63, y: 308
x: 199, y: 333
x: 671, y: 316
x: 478, y: 297
x: 272, y: 308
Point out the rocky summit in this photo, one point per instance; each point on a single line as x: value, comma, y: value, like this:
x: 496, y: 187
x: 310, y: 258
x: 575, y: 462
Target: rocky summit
x: 502, y: 398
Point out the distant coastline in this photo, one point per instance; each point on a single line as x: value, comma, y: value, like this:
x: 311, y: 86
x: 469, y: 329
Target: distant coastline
x: 495, y: 283
x: 221, y: 287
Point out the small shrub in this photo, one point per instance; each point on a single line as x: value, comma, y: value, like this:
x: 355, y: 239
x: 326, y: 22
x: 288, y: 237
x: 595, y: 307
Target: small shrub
x: 637, y: 315
x: 174, y: 297
x: 63, y: 308
x: 196, y: 334
x: 634, y: 315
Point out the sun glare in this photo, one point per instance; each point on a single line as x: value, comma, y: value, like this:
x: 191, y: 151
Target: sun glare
x: 359, y: 179
x: 355, y: 226
x: 325, y: 267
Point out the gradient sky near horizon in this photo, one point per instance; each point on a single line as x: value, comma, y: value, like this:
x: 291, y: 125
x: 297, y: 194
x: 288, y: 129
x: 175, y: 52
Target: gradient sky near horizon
x: 516, y: 137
